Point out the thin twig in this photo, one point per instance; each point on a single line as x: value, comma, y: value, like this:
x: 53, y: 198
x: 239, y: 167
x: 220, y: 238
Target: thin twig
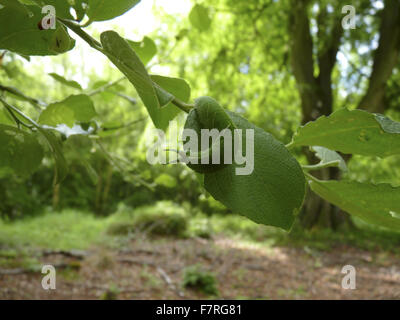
x: 321, y: 165
x: 97, y: 45
x: 105, y: 87
x: 35, y: 102
x: 169, y: 282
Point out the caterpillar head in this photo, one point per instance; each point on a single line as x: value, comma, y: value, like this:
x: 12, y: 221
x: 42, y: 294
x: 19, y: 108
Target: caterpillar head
x: 208, y: 114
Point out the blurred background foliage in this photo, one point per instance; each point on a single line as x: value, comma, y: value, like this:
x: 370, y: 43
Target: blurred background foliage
x: 242, y: 60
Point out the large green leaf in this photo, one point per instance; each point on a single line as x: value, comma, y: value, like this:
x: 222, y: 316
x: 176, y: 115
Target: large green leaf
x: 352, y: 132
x: 273, y: 193
x: 20, y: 152
x: 20, y: 32
x: 62, y: 7
x: 176, y: 87
x: 75, y: 108
x: 70, y: 83
x: 376, y: 204
x: 5, y: 117
x: 166, y: 89
x: 145, y: 49
x: 100, y: 10
x: 125, y: 59
x: 199, y: 17
x: 80, y: 9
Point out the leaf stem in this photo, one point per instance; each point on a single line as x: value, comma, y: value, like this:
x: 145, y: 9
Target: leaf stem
x: 36, y: 103
x: 105, y: 87
x: 182, y: 105
x: 11, y: 109
x: 321, y: 165
x: 85, y: 36
x: 129, y: 124
x: 123, y: 170
x: 310, y: 176
x: 289, y: 145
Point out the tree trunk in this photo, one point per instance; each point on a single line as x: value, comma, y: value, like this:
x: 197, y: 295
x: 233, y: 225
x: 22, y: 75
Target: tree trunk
x: 316, y: 100
x: 316, y: 92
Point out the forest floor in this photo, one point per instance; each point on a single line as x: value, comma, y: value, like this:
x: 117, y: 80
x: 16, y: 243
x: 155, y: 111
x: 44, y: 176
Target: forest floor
x: 153, y: 269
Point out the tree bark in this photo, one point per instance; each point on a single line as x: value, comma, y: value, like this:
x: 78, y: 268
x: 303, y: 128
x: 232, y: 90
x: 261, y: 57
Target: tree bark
x: 316, y: 91
x: 385, y: 59
x: 316, y: 98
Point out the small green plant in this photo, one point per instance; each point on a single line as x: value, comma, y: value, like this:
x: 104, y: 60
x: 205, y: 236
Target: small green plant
x: 197, y: 279
x: 150, y: 279
x: 111, y: 293
x: 165, y: 218
x: 121, y: 228
x: 201, y: 228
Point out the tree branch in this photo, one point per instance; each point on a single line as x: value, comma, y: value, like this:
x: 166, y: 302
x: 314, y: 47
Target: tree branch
x: 385, y: 59
x: 327, y: 57
x: 302, y: 57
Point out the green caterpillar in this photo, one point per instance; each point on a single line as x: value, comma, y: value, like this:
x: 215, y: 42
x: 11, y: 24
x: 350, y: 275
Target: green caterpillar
x: 207, y: 114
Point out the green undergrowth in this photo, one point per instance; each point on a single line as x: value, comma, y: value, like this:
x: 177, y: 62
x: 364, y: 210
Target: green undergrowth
x: 68, y: 229
x: 363, y: 236
x: 73, y: 229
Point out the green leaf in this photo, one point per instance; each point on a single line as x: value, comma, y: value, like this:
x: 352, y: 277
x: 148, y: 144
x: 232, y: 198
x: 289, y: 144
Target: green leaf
x: 352, y: 132
x: 165, y: 180
x: 388, y: 125
x: 177, y: 87
x: 171, y: 87
x: 70, y: 83
x: 273, y: 193
x: 145, y: 49
x: 168, y: 88
x: 5, y: 117
x: 375, y: 204
x: 199, y: 17
x: 20, y: 32
x: 329, y: 156
x: 75, y: 108
x: 20, y: 151
x: 62, y: 7
x: 101, y: 10
x: 125, y: 59
x: 56, y: 149
x: 80, y: 9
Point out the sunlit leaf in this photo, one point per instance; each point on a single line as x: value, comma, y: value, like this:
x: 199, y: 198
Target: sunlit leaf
x: 100, y: 10
x: 199, y: 17
x: 61, y: 79
x: 75, y: 108
x: 165, y: 180
x: 145, y: 49
x: 122, y: 55
x: 352, y: 132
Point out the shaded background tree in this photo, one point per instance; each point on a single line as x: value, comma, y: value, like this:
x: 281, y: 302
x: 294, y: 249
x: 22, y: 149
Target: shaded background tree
x: 284, y: 63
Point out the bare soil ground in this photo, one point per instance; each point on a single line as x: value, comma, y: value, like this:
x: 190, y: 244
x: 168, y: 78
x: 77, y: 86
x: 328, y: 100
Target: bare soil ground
x: 153, y: 269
